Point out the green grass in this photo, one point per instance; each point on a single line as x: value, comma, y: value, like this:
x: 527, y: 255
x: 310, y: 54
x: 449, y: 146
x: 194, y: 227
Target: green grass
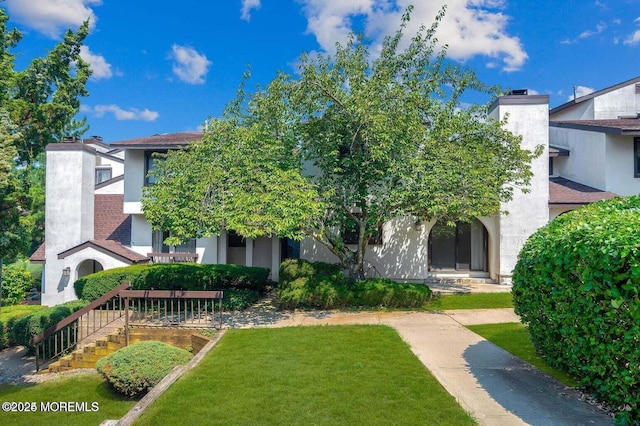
x: 514, y: 338
x: 470, y: 301
x: 78, y: 388
x: 308, y: 375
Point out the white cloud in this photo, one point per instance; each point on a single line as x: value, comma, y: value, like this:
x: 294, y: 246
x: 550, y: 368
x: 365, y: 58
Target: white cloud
x: 190, y: 66
x: 52, y: 17
x: 590, y: 33
x: 122, y: 114
x: 633, y: 39
x: 247, y: 7
x: 99, y: 66
x: 580, y: 91
x: 470, y: 27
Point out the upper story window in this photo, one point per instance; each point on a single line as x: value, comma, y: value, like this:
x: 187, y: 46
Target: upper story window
x: 103, y: 174
x: 150, y: 162
x: 636, y: 157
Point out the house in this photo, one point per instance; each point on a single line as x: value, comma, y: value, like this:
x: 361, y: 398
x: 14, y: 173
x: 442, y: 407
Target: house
x: 94, y: 217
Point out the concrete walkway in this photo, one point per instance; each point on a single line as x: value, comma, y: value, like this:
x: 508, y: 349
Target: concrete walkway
x: 494, y: 386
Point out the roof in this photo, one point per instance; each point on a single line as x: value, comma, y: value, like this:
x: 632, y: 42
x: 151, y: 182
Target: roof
x: 109, y: 247
x: 109, y: 221
x: 593, y: 95
x: 164, y: 141
x: 112, y: 231
x: 616, y: 126
x: 565, y: 191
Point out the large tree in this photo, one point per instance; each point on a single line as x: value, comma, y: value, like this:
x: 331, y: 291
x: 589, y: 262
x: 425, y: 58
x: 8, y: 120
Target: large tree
x: 38, y: 106
x: 361, y: 140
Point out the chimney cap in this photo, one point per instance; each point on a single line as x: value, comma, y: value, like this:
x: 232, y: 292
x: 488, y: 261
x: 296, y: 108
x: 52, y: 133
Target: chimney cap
x: 518, y: 92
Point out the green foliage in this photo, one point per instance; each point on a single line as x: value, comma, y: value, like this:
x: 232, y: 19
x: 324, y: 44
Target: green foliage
x: 17, y: 280
x: 38, y: 106
x: 34, y: 324
x: 324, y: 286
x: 348, y: 142
x: 137, y: 368
x: 9, y: 315
x: 242, y: 285
x: 577, y: 287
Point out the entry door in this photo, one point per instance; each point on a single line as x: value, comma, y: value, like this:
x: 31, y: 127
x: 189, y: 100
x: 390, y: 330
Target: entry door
x: 442, y: 244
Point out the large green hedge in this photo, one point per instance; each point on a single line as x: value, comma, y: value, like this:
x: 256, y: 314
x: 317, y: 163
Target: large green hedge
x: 321, y: 285
x: 9, y: 315
x: 136, y: 369
x: 242, y: 285
x: 31, y: 325
x: 576, y: 285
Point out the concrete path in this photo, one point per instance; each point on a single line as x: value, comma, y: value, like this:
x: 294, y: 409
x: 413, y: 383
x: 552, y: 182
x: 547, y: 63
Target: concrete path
x: 494, y: 386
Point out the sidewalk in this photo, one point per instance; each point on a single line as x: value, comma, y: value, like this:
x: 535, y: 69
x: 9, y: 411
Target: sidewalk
x: 494, y: 386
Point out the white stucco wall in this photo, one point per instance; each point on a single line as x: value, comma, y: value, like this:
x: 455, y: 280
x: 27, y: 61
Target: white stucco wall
x: 618, y: 167
x: 529, y: 118
x: 620, y: 102
x: 113, y: 188
x: 74, y: 261
x: 134, y: 181
x: 587, y: 154
x: 69, y: 213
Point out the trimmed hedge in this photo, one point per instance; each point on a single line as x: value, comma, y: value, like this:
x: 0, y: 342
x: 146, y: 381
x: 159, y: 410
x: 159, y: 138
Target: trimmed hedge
x: 8, y: 317
x: 135, y: 369
x: 577, y: 286
x: 32, y: 325
x: 321, y: 285
x: 242, y: 285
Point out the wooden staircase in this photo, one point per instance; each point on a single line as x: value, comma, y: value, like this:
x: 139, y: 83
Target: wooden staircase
x: 90, y: 354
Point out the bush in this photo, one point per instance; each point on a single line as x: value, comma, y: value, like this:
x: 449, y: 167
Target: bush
x: 324, y: 286
x: 8, y: 317
x: 137, y: 368
x: 30, y: 326
x: 17, y: 280
x: 240, y: 283
x: 576, y: 285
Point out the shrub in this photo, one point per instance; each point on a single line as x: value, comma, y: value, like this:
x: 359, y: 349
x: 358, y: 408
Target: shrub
x: 32, y: 325
x: 322, y: 285
x: 8, y: 317
x: 137, y: 368
x: 16, y: 282
x: 240, y: 283
x: 576, y: 285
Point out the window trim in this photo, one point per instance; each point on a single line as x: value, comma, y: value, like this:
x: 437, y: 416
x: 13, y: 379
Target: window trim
x: 636, y: 157
x: 103, y: 169
x: 148, y: 160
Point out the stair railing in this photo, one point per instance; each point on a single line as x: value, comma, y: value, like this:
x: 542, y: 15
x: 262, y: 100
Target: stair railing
x: 65, y: 335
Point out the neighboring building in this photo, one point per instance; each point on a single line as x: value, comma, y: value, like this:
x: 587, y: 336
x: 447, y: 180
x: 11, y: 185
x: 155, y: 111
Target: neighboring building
x: 591, y: 152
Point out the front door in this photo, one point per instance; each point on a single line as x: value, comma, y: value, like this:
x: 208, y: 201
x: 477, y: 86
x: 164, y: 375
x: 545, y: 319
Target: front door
x: 461, y: 247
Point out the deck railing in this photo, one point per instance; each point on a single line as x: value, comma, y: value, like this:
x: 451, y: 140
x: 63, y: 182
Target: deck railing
x: 153, y: 308
x: 65, y: 335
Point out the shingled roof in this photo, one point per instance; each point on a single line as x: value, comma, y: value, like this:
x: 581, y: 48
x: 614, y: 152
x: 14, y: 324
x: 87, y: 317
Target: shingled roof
x: 164, y: 141
x: 616, y: 126
x: 565, y: 191
x: 112, y: 232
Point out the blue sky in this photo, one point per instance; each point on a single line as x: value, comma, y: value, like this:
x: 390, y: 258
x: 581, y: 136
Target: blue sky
x: 166, y: 66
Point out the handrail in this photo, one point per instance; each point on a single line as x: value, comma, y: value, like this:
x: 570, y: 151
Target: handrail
x: 77, y: 314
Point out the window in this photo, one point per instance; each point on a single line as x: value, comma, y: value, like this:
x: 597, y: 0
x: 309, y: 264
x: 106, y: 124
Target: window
x: 636, y: 157
x: 235, y: 240
x: 103, y: 174
x: 158, y: 245
x: 150, y: 161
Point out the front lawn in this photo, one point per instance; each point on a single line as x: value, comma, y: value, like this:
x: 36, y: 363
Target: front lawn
x: 514, y: 338
x: 51, y: 400
x: 308, y: 375
x: 470, y: 301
